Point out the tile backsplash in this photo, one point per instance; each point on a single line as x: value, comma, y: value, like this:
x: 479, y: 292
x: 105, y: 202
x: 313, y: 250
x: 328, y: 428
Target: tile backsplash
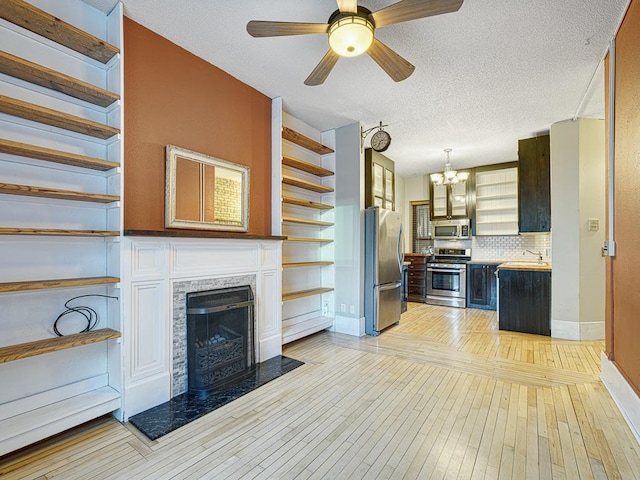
x: 504, y: 247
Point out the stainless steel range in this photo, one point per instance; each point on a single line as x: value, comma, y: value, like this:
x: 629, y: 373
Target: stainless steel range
x: 447, y: 277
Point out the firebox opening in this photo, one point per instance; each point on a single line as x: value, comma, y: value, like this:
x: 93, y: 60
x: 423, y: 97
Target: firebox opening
x: 220, y: 338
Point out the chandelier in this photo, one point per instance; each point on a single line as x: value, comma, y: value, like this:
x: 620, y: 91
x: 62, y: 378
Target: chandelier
x: 449, y: 175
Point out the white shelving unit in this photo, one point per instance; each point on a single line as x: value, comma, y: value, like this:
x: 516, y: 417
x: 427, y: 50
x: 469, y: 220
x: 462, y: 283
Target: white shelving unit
x: 497, y: 202
x: 305, y: 213
x: 61, y: 148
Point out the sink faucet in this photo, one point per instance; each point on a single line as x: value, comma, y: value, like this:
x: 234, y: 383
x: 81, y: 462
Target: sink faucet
x: 539, y: 254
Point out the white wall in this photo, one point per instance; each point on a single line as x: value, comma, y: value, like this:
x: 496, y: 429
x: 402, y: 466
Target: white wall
x: 577, y: 194
x: 349, y: 231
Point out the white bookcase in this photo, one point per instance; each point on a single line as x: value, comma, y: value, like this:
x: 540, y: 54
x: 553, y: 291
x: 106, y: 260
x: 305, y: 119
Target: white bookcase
x: 497, y: 202
x: 61, y: 149
x: 305, y: 213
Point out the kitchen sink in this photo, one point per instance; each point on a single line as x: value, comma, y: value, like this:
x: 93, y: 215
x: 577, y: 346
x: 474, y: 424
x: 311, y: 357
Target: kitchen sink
x: 524, y: 264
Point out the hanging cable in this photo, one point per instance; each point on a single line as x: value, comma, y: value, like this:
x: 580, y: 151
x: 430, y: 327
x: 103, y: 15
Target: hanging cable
x: 90, y: 315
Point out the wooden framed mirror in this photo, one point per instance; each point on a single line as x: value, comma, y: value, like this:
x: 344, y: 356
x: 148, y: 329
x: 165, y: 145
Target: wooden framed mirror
x: 204, y: 192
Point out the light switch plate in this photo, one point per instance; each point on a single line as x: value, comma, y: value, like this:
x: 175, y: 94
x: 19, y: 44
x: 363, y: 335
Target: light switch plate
x: 594, y: 225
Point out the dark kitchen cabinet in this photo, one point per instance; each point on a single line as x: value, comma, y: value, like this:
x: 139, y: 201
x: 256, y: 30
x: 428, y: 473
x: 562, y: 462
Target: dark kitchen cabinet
x: 524, y: 301
x: 481, y: 286
x: 417, y: 277
x: 379, y: 183
x: 449, y: 201
x: 534, y: 184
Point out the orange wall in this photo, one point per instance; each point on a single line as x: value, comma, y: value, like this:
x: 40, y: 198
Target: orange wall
x: 625, y: 265
x: 174, y: 97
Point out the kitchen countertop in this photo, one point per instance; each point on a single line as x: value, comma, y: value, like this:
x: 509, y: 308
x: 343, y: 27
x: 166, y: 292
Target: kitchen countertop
x: 531, y: 266
x: 485, y: 262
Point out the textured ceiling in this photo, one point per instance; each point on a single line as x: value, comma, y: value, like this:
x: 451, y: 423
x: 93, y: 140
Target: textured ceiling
x: 490, y: 74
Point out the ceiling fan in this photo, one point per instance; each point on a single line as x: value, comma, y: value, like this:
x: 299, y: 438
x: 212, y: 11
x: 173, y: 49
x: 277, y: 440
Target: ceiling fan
x: 351, y: 31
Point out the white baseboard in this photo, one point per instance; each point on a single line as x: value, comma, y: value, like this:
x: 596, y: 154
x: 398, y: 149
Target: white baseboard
x: 592, y: 330
x: 146, y: 393
x: 625, y: 397
x: 270, y: 347
x: 577, y: 330
x: 349, y: 326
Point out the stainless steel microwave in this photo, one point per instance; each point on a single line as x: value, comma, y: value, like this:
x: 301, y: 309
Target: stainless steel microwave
x: 452, y: 229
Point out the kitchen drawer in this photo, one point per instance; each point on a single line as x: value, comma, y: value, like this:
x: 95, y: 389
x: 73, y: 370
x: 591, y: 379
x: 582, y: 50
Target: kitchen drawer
x: 417, y: 274
x: 417, y: 260
x: 416, y: 281
x: 416, y: 290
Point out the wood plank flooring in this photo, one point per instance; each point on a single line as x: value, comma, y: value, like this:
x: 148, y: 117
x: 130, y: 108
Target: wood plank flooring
x: 442, y: 395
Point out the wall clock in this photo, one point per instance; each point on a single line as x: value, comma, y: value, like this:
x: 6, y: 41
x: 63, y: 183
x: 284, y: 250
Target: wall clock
x: 380, y: 141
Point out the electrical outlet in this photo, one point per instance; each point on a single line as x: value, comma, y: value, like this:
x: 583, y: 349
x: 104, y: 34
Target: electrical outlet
x: 343, y: 307
x: 352, y: 309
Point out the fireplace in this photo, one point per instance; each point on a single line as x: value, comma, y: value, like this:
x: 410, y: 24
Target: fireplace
x: 220, y: 337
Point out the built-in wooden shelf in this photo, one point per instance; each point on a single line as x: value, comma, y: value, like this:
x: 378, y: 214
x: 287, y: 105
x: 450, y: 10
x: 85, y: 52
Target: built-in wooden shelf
x: 306, y: 203
x: 305, y: 264
x: 304, y: 221
x: 502, y: 182
x: 57, y: 232
x: 309, y: 240
x: 497, y: 221
x: 30, y: 191
x: 61, y: 283
x: 45, y: 77
x: 306, y: 166
x: 305, y: 142
x: 499, y: 209
x: 304, y: 293
x: 314, y: 187
x: 18, y: 430
x: 46, y: 25
x: 40, y: 347
x: 55, y: 156
x: 36, y: 113
x: 501, y: 195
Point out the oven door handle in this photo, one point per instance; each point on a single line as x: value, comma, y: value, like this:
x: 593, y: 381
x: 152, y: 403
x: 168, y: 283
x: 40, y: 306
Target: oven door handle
x: 444, y: 270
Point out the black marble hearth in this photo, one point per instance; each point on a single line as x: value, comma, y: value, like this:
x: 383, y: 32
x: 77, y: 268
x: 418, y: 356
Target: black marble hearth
x: 185, y: 408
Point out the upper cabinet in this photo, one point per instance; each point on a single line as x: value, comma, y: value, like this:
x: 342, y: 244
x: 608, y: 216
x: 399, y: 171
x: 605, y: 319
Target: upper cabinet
x: 496, y: 200
x: 534, y: 186
x: 379, y: 185
x: 449, y: 201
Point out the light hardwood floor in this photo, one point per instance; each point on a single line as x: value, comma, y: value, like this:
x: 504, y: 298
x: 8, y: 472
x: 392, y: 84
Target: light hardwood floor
x: 442, y: 395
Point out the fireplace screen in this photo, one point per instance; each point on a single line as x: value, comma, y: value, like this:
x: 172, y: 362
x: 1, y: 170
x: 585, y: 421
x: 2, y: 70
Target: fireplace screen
x: 220, y: 333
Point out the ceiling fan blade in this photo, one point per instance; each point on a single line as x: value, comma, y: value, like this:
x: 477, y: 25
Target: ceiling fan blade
x: 348, y: 6
x: 323, y: 69
x: 260, y: 28
x: 396, y: 67
x: 406, y: 10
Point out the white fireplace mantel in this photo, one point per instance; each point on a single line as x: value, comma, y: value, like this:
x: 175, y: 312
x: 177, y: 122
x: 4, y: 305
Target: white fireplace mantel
x: 150, y: 267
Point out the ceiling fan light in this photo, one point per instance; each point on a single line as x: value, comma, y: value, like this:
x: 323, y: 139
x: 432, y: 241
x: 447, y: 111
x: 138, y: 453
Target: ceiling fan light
x: 351, y: 36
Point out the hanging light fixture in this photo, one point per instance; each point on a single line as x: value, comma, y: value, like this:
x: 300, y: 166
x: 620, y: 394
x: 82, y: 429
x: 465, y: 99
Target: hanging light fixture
x: 351, y: 35
x: 449, y: 175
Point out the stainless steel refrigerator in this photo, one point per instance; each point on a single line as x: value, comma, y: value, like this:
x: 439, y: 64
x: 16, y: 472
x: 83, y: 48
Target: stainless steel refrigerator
x: 384, y: 254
